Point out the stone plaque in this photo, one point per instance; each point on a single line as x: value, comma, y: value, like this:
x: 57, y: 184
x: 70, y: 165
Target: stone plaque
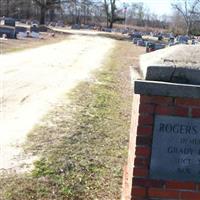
x: 176, y: 149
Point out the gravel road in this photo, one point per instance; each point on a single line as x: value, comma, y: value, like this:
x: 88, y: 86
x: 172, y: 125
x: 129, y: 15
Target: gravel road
x: 33, y: 80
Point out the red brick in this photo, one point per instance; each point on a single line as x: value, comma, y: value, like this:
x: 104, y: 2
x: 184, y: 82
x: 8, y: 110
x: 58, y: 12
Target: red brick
x: 198, y: 187
x: 190, y: 196
x: 147, y: 108
x: 181, y: 111
x: 138, y: 192
x: 141, y: 140
x: 141, y: 162
x: 180, y: 185
x: 143, y: 151
x: 144, y: 130
x: 147, y: 183
x: 160, y: 193
x: 146, y: 119
x: 196, y: 112
x: 140, y: 172
x: 164, y: 110
x: 139, y: 198
x: 156, y: 99
x: 187, y: 102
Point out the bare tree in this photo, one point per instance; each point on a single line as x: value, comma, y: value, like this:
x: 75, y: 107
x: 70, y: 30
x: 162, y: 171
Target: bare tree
x: 189, y: 9
x: 46, y: 5
x: 79, y: 12
x: 110, y: 10
x: 5, y: 7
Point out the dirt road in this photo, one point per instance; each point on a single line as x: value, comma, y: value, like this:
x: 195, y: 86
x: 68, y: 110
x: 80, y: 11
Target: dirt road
x: 33, y: 80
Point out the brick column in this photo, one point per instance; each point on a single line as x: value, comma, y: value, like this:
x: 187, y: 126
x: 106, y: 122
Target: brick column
x: 160, y: 99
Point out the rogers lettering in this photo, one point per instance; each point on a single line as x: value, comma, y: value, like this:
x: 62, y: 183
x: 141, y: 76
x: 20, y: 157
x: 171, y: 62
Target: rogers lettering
x: 175, y: 149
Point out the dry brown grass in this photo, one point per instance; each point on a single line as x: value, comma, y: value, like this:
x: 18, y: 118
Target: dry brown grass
x: 10, y: 45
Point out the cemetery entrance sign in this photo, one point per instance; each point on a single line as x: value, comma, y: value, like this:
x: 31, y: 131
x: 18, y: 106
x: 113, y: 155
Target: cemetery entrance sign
x: 167, y: 129
x: 176, y: 149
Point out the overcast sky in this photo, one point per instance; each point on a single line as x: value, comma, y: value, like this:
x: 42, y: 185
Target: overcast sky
x: 159, y: 7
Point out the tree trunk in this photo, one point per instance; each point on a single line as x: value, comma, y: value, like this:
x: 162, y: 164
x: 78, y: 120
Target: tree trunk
x: 107, y: 20
x: 42, y: 15
x: 28, y: 10
x: 112, y: 13
x: 187, y: 31
x: 188, y: 27
x: 7, y: 8
x: 52, y: 15
x: 111, y: 24
x: 107, y: 12
x: 84, y: 15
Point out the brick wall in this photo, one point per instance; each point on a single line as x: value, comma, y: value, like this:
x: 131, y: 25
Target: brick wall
x: 144, y: 188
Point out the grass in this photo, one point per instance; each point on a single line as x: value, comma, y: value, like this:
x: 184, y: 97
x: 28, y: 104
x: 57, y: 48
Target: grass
x: 81, y: 145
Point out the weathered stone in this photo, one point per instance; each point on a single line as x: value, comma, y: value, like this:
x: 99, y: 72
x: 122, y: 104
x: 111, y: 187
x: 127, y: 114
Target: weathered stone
x: 7, y: 21
x: 34, y: 28
x: 19, y: 29
x: 8, y: 31
x: 179, y: 61
x: 166, y: 89
x: 180, y: 74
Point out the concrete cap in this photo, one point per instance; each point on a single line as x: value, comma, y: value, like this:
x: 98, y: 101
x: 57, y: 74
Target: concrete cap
x: 176, y: 64
x: 155, y: 88
x: 174, y: 74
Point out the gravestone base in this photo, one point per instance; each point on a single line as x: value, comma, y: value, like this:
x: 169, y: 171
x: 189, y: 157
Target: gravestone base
x: 166, y: 164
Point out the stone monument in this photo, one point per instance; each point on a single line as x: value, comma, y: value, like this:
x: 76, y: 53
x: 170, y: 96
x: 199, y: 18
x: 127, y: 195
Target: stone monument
x: 164, y: 149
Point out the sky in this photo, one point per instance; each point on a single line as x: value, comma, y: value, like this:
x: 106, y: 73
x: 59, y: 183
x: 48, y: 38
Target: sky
x: 159, y: 7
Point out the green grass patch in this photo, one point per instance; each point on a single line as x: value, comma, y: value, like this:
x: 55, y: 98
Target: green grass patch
x: 82, y: 145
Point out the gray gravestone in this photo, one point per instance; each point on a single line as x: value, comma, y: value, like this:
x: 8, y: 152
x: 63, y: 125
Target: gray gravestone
x: 176, y: 149
x: 34, y: 28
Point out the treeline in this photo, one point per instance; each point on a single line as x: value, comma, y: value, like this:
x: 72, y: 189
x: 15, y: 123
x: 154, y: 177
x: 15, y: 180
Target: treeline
x: 138, y: 14
x: 185, y: 17
x: 20, y: 9
x: 49, y: 10
x: 80, y: 11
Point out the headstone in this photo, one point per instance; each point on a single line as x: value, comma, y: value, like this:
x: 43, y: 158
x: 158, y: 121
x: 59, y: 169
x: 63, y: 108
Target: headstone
x: 35, y: 34
x: 76, y: 26
x: 34, y: 28
x: 8, y: 31
x: 7, y: 21
x: 21, y: 35
x: 21, y: 29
